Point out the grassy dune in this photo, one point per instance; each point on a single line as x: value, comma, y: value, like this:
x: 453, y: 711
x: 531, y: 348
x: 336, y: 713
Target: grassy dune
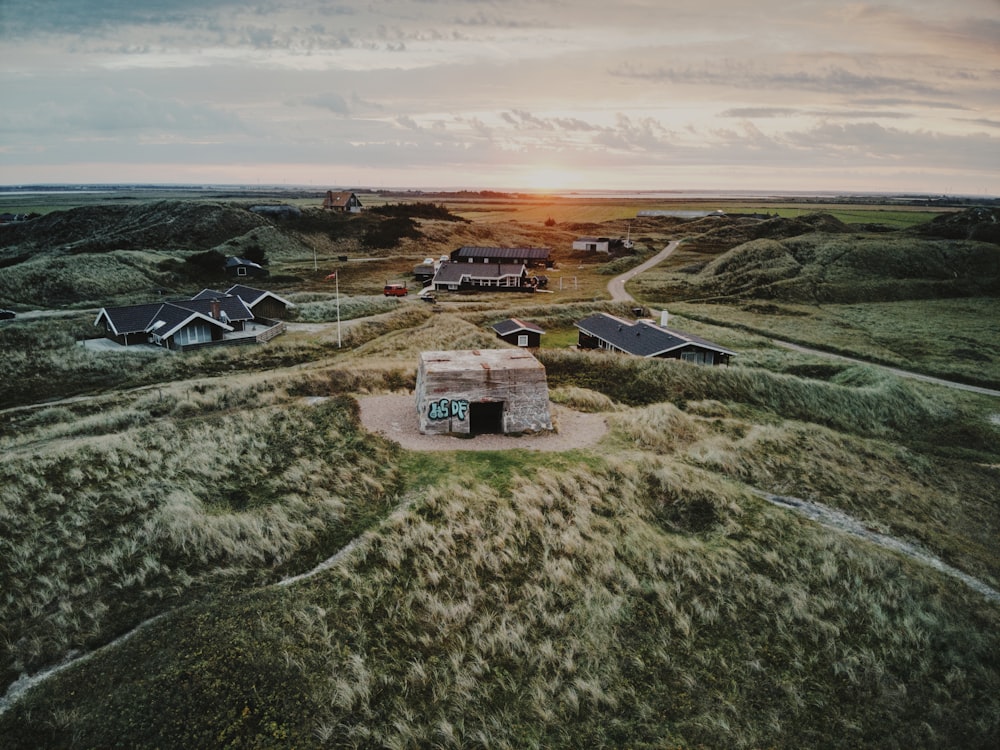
x: 100, y: 532
x: 637, y: 594
x: 635, y: 603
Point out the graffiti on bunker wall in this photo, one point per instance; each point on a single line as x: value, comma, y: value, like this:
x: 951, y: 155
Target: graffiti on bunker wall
x: 446, y: 407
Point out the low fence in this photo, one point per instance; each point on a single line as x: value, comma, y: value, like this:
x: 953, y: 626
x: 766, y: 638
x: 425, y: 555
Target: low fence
x: 274, y: 328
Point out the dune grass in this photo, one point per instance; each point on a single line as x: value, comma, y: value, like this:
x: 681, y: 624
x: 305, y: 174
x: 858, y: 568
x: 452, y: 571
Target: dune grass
x: 637, y: 595
x: 954, y: 339
x: 640, y: 604
x: 97, y: 533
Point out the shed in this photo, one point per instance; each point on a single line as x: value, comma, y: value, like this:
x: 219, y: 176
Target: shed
x: 236, y: 266
x: 593, y: 244
x: 519, y: 333
x: 481, y: 391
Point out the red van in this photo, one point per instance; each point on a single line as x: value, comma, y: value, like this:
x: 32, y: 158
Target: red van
x: 394, y: 290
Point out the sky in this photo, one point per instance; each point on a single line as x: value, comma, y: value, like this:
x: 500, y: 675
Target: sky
x: 889, y: 96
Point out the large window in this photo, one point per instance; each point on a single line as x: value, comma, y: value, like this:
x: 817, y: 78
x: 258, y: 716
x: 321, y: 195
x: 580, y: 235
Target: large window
x: 699, y: 358
x: 196, y: 333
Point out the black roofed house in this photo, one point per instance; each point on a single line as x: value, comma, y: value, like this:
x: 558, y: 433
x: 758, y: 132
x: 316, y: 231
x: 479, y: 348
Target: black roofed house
x: 528, y: 256
x: 343, y: 201
x: 643, y: 338
x: 243, y: 267
x: 127, y: 324
x: 495, y: 276
x: 210, y: 317
x: 227, y: 308
x: 175, y: 327
x: 264, y: 304
x: 519, y: 333
x: 424, y: 272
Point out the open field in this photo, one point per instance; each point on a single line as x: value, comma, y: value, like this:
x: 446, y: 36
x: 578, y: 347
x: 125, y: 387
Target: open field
x: 291, y: 580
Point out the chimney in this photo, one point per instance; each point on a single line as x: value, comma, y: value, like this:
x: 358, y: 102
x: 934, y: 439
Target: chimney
x: 214, y: 307
x: 663, y: 318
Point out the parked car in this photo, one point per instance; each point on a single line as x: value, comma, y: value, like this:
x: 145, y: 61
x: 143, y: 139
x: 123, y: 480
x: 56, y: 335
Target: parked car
x: 394, y: 290
x: 7, y: 314
x: 428, y: 297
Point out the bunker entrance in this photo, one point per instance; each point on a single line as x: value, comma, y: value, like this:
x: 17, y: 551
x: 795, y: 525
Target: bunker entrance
x: 486, y: 418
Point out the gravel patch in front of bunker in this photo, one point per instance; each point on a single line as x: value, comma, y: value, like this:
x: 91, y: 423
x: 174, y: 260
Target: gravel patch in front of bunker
x: 394, y: 416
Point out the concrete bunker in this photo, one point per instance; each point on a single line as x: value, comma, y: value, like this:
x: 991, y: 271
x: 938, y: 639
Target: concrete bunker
x: 482, y: 391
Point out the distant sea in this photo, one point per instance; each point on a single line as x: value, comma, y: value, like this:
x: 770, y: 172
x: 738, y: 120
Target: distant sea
x: 250, y: 190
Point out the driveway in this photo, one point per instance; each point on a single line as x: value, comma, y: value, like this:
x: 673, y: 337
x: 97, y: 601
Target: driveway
x: 616, y: 286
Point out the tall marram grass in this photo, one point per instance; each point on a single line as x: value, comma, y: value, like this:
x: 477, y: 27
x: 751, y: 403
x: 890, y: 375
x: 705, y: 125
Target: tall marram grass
x: 646, y: 604
x: 326, y: 308
x: 888, y: 408
x: 98, y: 533
x: 946, y: 505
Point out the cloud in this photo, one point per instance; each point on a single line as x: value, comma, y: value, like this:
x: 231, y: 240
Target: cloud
x: 330, y: 101
x: 832, y: 79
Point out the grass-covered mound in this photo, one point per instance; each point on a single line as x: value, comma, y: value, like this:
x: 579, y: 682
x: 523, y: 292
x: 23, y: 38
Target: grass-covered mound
x: 635, y: 604
x: 840, y: 268
x: 172, y: 501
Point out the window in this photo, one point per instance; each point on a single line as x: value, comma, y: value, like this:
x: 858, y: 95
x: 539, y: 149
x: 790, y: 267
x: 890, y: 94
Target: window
x: 522, y: 339
x: 195, y: 333
x: 699, y: 358
x: 241, y: 270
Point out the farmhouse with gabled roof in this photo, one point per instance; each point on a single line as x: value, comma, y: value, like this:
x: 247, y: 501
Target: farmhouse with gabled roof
x: 342, y: 201
x: 643, y: 338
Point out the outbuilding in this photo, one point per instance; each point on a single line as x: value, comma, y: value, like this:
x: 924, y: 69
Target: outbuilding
x: 481, y: 391
x: 519, y: 333
x: 593, y: 244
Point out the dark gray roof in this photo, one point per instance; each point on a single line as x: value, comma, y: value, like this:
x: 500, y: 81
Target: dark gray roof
x: 641, y: 338
x: 209, y: 294
x: 232, y: 261
x: 513, y: 325
x: 171, y: 317
x: 533, y: 253
x: 252, y: 296
x: 138, y: 318
x: 128, y: 318
x: 234, y: 307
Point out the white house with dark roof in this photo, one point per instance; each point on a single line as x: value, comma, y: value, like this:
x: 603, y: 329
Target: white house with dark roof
x: 209, y: 317
x: 455, y: 277
x: 643, y: 338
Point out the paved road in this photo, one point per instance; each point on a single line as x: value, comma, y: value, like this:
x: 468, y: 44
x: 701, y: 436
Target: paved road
x: 616, y: 287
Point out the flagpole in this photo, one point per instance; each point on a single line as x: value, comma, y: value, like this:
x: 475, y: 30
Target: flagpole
x: 337, y: 279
